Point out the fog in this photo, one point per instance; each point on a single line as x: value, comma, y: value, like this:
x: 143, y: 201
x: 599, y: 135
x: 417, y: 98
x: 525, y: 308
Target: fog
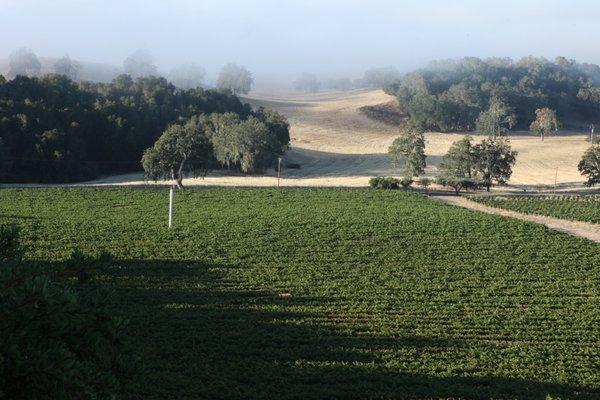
x: 279, y: 39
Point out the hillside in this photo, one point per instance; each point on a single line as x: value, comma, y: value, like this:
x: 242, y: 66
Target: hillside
x: 337, y: 145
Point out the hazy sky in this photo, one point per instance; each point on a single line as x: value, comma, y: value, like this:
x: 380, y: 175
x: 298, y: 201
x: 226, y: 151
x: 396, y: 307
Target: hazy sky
x: 327, y: 37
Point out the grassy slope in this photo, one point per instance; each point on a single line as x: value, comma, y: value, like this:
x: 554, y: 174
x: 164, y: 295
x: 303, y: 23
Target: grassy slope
x: 323, y: 293
x: 585, y: 208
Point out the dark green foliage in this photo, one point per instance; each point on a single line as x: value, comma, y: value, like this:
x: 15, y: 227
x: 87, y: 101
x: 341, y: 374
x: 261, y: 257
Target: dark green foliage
x: 494, y: 160
x: 450, y: 96
x: 467, y: 166
x: 180, y: 149
x: 249, y: 145
x: 54, y: 343
x: 384, y: 182
x: 410, y: 145
x: 578, y: 208
x: 457, y: 183
x: 589, y: 166
x: 497, y: 120
x: 406, y: 181
x: 330, y: 293
x: 57, y: 130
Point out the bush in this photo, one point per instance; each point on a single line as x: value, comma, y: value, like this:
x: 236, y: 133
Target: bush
x: 406, y: 182
x: 384, y: 182
x: 425, y: 182
x: 458, y: 184
x: 54, y: 344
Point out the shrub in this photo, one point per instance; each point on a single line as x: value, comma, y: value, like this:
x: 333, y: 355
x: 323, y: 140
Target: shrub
x: 424, y: 182
x: 54, y: 344
x: 406, y: 182
x: 384, y: 182
x: 458, y: 184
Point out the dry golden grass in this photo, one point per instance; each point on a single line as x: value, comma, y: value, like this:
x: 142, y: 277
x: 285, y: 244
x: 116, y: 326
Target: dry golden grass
x: 337, y: 145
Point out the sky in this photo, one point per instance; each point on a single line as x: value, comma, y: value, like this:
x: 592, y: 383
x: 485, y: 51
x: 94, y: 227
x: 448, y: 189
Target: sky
x: 279, y: 39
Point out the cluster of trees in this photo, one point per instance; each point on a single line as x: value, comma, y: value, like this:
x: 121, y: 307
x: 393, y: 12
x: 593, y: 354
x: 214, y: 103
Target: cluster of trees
x: 461, y: 96
x: 217, y: 140
x: 141, y: 63
x: 466, y: 165
x: 54, y: 130
x: 374, y: 77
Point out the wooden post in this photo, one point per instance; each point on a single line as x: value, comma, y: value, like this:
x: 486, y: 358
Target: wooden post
x: 170, y: 207
x: 555, y: 180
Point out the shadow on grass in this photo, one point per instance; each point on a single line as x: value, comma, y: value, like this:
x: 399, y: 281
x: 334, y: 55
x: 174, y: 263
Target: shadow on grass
x: 199, y: 336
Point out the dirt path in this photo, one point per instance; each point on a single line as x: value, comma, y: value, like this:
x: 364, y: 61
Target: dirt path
x: 576, y: 228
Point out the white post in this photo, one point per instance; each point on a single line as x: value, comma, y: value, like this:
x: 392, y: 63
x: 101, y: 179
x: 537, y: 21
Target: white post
x: 170, y: 207
x: 278, y: 170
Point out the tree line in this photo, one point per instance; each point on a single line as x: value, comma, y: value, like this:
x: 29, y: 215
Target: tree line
x: 455, y: 96
x: 53, y: 129
x: 138, y: 64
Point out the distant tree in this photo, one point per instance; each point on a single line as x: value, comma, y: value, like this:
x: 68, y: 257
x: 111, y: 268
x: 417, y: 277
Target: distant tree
x: 24, y: 62
x: 494, y: 160
x: 589, y: 166
x: 279, y: 127
x: 410, y: 145
x: 308, y: 83
x: 235, y: 78
x: 67, y: 67
x: 381, y: 77
x: 140, y: 63
x: 188, y: 76
x: 497, y: 120
x: 545, y: 122
x: 342, y: 84
x: 179, y: 150
x: 460, y: 159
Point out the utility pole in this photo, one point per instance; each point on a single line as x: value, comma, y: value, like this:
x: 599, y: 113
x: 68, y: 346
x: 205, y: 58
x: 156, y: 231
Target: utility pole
x: 278, y: 170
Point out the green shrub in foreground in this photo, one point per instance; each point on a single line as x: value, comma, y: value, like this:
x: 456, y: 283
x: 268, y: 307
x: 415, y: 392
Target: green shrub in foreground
x: 384, y: 182
x: 54, y: 344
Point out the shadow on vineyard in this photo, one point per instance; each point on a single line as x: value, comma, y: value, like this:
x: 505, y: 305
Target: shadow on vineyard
x: 195, y: 338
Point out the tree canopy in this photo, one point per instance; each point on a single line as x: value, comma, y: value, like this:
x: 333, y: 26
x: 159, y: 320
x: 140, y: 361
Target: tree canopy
x: 308, y: 83
x: 451, y: 96
x: 497, y: 120
x: 56, y: 130
x: 187, y: 76
x: 67, y: 67
x: 589, y: 166
x: 140, y: 64
x: 410, y: 145
x: 235, y: 78
x: 487, y: 163
x: 545, y: 122
x: 23, y: 61
x: 180, y: 149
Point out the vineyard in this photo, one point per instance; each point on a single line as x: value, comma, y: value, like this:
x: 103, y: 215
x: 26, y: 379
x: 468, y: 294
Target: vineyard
x: 577, y: 208
x: 329, y: 293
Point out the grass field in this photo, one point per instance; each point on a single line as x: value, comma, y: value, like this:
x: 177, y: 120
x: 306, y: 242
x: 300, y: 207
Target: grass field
x: 575, y: 208
x: 330, y: 293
